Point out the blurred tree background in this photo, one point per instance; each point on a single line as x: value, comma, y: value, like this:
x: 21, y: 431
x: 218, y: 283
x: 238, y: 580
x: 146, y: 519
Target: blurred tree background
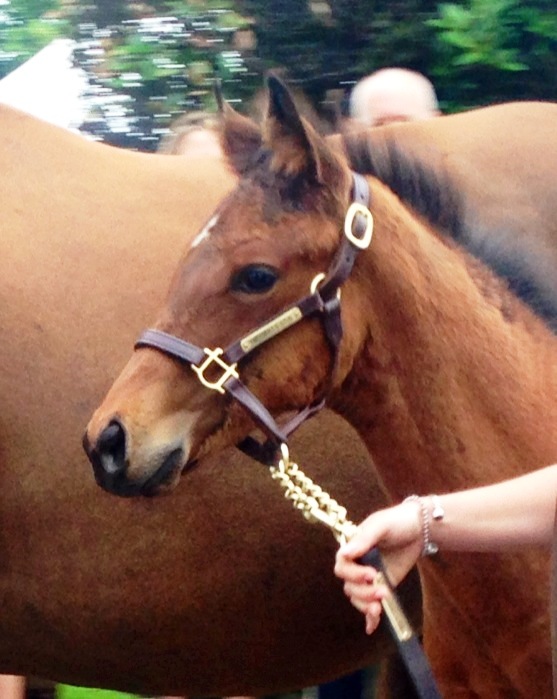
x: 150, y: 61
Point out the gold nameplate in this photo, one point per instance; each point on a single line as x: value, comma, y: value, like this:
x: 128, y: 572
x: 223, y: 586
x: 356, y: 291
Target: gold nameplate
x: 272, y: 328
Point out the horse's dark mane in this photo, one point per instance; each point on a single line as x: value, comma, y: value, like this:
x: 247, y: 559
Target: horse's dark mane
x: 427, y: 190
x: 430, y: 192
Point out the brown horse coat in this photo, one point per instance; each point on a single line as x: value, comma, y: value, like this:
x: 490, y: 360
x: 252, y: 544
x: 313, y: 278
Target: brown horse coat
x: 443, y: 372
x: 96, y: 590
x: 211, y: 591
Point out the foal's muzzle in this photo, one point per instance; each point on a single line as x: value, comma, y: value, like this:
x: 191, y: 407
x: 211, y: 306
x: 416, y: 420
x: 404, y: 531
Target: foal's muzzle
x: 108, y: 456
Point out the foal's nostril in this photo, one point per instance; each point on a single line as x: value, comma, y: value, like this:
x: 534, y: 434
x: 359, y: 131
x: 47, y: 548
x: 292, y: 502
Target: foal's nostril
x: 111, y: 448
x: 109, y: 458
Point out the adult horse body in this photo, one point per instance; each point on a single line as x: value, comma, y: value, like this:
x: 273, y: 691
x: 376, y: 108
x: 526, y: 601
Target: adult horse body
x: 448, y: 378
x: 208, y: 593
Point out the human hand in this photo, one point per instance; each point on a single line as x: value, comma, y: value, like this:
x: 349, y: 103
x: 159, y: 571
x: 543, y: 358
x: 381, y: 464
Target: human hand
x: 397, y: 531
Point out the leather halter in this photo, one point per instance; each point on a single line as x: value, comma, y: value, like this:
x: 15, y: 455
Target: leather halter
x: 324, y: 299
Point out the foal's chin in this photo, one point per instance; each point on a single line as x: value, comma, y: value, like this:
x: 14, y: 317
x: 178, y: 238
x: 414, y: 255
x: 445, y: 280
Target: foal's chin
x: 166, y: 478
x: 235, y: 428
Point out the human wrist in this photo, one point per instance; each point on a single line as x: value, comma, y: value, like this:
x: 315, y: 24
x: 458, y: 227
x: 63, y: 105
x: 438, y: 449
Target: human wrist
x: 430, y: 510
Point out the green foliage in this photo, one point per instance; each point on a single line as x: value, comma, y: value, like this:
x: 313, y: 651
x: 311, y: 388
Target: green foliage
x: 322, y: 49
x: 164, y: 60
x: 64, y: 691
x: 31, y: 8
x: 100, y: 12
x: 192, y: 48
x: 475, y: 51
x: 495, y: 50
x: 27, y: 26
x: 484, y: 34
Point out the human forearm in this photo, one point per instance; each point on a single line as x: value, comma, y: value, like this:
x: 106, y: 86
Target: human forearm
x: 506, y: 515
x: 500, y: 517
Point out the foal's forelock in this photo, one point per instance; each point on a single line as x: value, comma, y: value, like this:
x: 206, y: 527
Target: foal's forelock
x: 298, y: 193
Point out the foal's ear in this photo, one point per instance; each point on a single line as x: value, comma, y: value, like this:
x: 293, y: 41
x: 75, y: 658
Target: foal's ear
x: 240, y: 138
x: 297, y: 148
x: 286, y: 134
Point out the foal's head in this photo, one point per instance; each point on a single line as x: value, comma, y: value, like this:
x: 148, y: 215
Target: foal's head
x: 258, y: 254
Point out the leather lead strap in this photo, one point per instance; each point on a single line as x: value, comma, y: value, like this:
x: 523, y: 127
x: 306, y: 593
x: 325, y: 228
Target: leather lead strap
x: 410, y: 650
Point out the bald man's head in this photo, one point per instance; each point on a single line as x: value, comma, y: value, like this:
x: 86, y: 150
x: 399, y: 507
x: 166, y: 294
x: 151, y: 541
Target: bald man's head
x: 393, y: 94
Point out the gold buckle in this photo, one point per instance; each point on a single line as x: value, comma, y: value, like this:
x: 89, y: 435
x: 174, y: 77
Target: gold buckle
x: 353, y: 210
x: 215, y: 356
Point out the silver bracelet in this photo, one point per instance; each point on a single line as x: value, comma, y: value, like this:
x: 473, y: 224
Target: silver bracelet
x: 429, y: 547
x: 438, y: 511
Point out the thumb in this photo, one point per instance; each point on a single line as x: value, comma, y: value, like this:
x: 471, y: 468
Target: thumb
x: 366, y: 537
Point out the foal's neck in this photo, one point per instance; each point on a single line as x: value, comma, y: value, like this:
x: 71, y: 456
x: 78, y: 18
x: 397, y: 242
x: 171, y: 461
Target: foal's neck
x: 454, y: 382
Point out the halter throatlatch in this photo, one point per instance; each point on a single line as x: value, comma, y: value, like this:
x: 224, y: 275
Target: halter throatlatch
x: 217, y: 370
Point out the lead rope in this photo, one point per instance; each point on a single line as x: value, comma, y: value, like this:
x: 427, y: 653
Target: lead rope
x: 317, y: 506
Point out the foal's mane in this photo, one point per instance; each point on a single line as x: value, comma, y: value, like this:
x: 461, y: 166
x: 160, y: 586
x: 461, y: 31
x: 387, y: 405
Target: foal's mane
x: 429, y: 191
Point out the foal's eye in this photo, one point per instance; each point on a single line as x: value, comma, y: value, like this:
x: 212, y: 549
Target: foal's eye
x: 254, y: 279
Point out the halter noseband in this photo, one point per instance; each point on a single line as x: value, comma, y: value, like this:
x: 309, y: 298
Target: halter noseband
x: 323, y: 299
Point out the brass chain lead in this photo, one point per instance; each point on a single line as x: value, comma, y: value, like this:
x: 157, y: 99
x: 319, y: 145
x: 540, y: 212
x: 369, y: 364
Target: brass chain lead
x: 318, y: 506
x: 315, y: 504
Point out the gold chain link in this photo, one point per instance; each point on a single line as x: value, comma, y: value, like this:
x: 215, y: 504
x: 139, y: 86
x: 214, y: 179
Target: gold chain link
x: 315, y: 504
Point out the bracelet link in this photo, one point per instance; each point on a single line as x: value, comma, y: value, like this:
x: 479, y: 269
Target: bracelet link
x: 429, y: 547
x: 438, y: 511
